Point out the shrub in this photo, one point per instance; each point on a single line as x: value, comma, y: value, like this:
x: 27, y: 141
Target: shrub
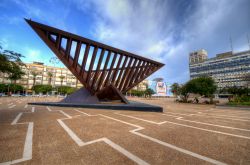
x: 42, y: 88
x: 66, y: 90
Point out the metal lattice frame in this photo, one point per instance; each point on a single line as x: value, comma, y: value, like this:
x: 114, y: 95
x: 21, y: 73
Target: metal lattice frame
x: 108, y: 65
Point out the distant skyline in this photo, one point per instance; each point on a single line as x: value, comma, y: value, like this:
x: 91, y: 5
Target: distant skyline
x: 162, y: 30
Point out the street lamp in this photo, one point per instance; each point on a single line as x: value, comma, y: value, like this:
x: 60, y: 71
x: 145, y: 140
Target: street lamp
x: 54, y: 61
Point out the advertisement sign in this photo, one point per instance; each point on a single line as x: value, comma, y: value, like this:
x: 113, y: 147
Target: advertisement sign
x: 161, y: 89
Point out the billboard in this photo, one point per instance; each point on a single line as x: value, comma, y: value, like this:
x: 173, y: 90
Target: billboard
x: 160, y: 88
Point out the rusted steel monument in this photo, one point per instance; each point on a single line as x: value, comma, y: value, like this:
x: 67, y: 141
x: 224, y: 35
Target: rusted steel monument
x: 106, y: 72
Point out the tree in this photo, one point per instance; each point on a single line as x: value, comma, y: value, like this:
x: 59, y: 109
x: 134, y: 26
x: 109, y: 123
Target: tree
x: 205, y: 86
x: 8, y: 58
x: 11, y: 64
x: 149, y: 92
x: 50, y: 75
x: 61, y: 78
x: 16, y: 73
x: 238, y: 91
x: 34, y: 74
x: 175, y: 89
x: 185, y: 91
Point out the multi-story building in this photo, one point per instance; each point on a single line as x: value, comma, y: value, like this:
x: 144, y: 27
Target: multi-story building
x: 142, y: 86
x: 227, y: 69
x: 197, y: 56
x: 54, y: 76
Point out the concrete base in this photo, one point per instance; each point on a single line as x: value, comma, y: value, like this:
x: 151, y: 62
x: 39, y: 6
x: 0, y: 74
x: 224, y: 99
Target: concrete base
x: 81, y: 96
x: 132, y: 106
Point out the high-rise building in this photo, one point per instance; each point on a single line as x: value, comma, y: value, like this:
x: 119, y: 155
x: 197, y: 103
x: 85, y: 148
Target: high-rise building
x: 54, y: 76
x: 197, y: 56
x: 227, y: 69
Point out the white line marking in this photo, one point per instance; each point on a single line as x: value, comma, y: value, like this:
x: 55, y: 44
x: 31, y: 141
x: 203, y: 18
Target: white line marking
x: 16, y: 119
x: 26, y: 106
x: 207, y: 116
x: 84, y: 113
x: 33, y: 109
x: 149, y: 121
x: 180, y: 149
x: 109, y: 142
x: 166, y: 144
x: 203, y: 129
x: 122, y: 121
x: 27, y: 150
x: 237, y: 117
x: 71, y: 133
x: 184, y: 125
x: 125, y: 152
x: 12, y: 106
x: 181, y: 118
x: 65, y: 114
x: 48, y: 108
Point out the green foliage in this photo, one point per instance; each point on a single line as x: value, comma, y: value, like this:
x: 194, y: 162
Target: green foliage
x: 11, y: 64
x: 15, y: 87
x: 3, y: 88
x: 185, y: 91
x: 149, y: 92
x: 205, y: 86
x: 237, y: 90
x: 8, y: 60
x: 66, y: 90
x: 16, y: 72
x: 176, y: 89
x: 11, y: 88
x: 137, y: 93
x: 42, y: 88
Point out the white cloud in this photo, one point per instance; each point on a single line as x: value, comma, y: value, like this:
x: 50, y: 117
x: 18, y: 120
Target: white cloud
x: 167, y: 31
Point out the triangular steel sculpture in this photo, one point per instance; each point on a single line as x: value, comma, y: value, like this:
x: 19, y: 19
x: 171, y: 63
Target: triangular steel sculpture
x: 111, y: 71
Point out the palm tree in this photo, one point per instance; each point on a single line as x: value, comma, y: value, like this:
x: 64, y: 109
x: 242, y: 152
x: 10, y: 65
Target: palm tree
x: 50, y: 75
x: 34, y: 74
x: 61, y: 78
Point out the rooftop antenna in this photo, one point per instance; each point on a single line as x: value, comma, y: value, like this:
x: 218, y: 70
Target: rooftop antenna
x: 248, y: 41
x: 231, y: 43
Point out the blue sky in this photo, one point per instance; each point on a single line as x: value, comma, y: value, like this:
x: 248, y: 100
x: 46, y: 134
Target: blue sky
x: 163, y: 30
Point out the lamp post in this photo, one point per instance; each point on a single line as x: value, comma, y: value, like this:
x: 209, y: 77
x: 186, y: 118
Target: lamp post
x: 54, y: 61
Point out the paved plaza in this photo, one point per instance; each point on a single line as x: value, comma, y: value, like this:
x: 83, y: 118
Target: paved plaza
x: 182, y: 134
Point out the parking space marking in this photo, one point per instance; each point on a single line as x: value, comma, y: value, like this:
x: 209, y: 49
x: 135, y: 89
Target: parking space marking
x: 190, y: 153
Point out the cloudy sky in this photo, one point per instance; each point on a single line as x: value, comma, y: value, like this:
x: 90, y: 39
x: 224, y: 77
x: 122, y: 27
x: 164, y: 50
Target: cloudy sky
x: 163, y: 30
